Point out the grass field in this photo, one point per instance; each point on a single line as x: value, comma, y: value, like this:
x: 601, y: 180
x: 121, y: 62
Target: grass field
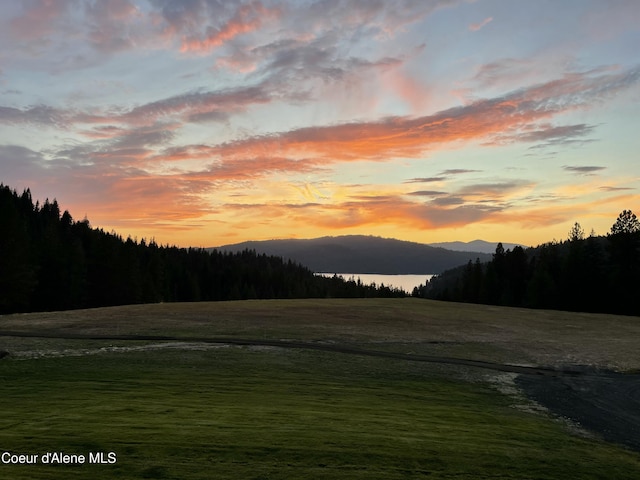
x: 194, y: 410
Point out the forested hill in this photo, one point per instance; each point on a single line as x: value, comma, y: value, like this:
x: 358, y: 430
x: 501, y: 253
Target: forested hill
x: 593, y: 274
x: 48, y: 261
x: 362, y: 254
x: 473, y: 246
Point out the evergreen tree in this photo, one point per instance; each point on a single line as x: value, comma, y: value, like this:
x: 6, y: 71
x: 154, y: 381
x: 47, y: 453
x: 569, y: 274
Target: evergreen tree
x: 18, y: 273
x: 627, y: 222
x: 576, y: 233
x: 624, y: 241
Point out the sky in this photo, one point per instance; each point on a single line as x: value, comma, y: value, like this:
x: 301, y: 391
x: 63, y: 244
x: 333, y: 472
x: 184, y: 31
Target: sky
x: 206, y: 122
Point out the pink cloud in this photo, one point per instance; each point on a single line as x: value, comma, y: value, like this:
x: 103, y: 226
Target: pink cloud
x: 39, y: 18
x: 474, y: 27
x: 247, y: 18
x: 415, y: 94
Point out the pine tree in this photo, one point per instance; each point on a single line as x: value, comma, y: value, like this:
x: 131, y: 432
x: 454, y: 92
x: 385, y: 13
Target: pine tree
x: 627, y: 222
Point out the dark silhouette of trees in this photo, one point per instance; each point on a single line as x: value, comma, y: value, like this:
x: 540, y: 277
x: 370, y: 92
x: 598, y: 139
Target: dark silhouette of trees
x: 624, y: 252
x: 627, y: 222
x: 593, y: 274
x: 17, y: 269
x: 576, y: 233
x: 48, y: 261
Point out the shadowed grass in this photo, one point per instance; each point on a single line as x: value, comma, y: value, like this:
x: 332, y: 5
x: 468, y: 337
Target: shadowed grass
x: 498, y: 334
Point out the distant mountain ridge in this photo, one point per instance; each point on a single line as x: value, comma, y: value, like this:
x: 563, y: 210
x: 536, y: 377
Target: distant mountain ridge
x: 474, y: 246
x: 362, y: 254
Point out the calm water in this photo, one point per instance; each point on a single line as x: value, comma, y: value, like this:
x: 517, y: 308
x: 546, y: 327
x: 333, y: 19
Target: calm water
x: 406, y: 282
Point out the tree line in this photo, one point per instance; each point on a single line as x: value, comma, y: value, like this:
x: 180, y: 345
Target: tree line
x: 592, y: 274
x: 49, y: 261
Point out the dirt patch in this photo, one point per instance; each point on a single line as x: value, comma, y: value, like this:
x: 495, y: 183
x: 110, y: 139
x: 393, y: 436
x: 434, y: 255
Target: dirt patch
x: 505, y: 383
x: 81, y: 352
x: 606, y: 403
x: 323, y: 346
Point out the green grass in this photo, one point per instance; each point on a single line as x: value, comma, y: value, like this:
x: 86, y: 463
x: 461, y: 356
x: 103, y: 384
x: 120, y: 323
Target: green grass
x: 255, y: 414
x: 270, y: 413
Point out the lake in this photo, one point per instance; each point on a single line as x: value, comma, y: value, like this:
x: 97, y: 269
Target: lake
x: 405, y: 282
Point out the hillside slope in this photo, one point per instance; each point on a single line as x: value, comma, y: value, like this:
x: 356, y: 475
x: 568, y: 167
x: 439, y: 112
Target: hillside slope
x: 474, y: 246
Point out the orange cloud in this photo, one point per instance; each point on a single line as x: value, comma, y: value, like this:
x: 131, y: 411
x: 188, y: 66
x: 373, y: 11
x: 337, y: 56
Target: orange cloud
x: 391, y: 137
x: 247, y: 19
x: 366, y: 212
x: 391, y: 212
x: 516, y: 113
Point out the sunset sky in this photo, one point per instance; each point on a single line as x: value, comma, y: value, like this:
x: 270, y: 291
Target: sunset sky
x: 203, y: 122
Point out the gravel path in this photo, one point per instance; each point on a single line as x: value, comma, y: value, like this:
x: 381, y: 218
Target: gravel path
x: 607, y: 403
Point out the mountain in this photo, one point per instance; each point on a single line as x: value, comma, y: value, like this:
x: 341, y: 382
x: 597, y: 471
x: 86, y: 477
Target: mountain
x: 361, y: 254
x: 474, y: 246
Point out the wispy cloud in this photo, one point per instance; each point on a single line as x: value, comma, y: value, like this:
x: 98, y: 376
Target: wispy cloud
x: 491, y: 72
x: 583, y: 170
x: 427, y: 193
x: 518, y: 112
x: 189, y: 107
x: 608, y: 188
x: 557, y: 135
x: 425, y: 180
x: 37, y: 114
x: 474, y: 27
x: 494, y: 189
x: 458, y: 171
x: 247, y: 18
x: 546, y: 135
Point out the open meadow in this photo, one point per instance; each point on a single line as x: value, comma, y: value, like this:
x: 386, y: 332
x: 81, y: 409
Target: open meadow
x: 331, y: 388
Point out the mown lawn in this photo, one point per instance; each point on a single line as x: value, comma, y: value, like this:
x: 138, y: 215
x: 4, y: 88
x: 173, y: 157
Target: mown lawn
x: 267, y: 413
